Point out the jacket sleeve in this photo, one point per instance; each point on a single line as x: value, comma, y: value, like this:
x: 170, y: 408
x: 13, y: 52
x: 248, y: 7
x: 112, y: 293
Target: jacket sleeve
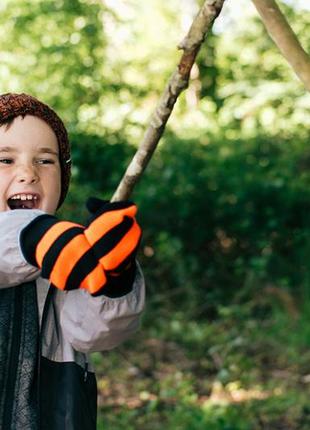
x: 14, y: 269
x: 101, y: 323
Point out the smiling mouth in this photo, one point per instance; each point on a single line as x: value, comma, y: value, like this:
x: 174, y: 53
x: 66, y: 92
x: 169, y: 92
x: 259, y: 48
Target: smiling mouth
x: 23, y: 201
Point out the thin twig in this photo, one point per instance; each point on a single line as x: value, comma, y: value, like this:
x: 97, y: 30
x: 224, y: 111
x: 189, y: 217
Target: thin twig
x: 178, y: 82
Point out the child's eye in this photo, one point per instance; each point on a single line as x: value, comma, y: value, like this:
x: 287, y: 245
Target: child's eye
x: 45, y: 161
x: 6, y: 160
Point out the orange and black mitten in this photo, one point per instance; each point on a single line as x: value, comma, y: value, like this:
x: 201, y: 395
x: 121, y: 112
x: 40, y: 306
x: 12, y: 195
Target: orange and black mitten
x: 116, y: 247
x: 99, y: 258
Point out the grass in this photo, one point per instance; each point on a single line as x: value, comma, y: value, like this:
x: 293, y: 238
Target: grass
x: 247, y: 370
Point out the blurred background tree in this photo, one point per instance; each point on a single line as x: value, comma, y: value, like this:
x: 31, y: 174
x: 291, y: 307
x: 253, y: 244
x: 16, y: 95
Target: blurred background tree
x: 224, y: 203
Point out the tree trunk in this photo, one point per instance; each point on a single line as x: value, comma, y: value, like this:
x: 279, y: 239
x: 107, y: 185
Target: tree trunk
x: 284, y: 37
x: 178, y: 82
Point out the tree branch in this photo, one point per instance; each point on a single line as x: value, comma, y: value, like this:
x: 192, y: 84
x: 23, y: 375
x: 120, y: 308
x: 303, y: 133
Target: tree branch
x: 284, y: 37
x: 177, y: 83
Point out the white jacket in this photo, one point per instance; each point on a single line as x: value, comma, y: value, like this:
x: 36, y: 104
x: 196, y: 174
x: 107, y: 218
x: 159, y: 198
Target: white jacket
x: 75, y: 323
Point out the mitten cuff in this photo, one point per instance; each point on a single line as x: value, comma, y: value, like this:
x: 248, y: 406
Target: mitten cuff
x: 32, y: 234
x: 120, y: 285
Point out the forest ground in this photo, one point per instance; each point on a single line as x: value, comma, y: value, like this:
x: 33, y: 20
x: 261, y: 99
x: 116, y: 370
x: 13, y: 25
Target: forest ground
x: 247, y: 370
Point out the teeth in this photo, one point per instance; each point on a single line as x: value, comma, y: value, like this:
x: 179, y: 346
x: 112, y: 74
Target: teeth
x: 24, y: 197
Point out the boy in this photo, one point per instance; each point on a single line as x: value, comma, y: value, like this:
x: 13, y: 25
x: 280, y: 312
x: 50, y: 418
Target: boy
x: 65, y: 289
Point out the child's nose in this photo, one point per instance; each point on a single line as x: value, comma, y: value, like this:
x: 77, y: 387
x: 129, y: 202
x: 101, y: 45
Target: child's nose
x: 27, y: 175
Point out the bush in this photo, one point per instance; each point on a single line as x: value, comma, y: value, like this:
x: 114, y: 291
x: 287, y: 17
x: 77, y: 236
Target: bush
x: 220, y: 218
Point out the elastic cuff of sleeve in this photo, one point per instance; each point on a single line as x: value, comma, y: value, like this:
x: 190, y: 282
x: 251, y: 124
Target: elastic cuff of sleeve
x: 32, y: 234
x: 120, y: 285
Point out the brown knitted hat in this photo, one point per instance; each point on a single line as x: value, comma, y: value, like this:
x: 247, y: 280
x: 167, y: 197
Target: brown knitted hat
x: 13, y: 105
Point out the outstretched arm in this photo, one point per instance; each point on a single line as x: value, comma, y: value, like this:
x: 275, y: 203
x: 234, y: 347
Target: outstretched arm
x: 101, y: 323
x: 94, y: 257
x: 14, y: 269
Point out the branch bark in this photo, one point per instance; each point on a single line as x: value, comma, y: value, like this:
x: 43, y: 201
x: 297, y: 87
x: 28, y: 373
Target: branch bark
x: 177, y: 83
x: 284, y: 37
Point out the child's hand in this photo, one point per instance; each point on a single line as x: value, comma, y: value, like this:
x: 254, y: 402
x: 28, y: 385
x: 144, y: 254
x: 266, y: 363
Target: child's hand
x: 72, y: 256
x: 113, y: 233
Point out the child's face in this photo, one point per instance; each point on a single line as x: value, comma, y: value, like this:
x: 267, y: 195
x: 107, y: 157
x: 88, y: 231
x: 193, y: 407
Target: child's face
x: 29, y: 166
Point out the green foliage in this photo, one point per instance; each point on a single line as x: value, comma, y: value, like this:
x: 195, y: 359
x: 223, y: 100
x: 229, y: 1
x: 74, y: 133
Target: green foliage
x: 221, y: 218
x: 239, y: 372
x: 102, y: 65
x: 224, y: 204
x: 229, y: 213
x: 54, y: 50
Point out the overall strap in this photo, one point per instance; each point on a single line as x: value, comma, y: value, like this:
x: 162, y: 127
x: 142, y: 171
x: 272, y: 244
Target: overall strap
x: 19, y: 342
